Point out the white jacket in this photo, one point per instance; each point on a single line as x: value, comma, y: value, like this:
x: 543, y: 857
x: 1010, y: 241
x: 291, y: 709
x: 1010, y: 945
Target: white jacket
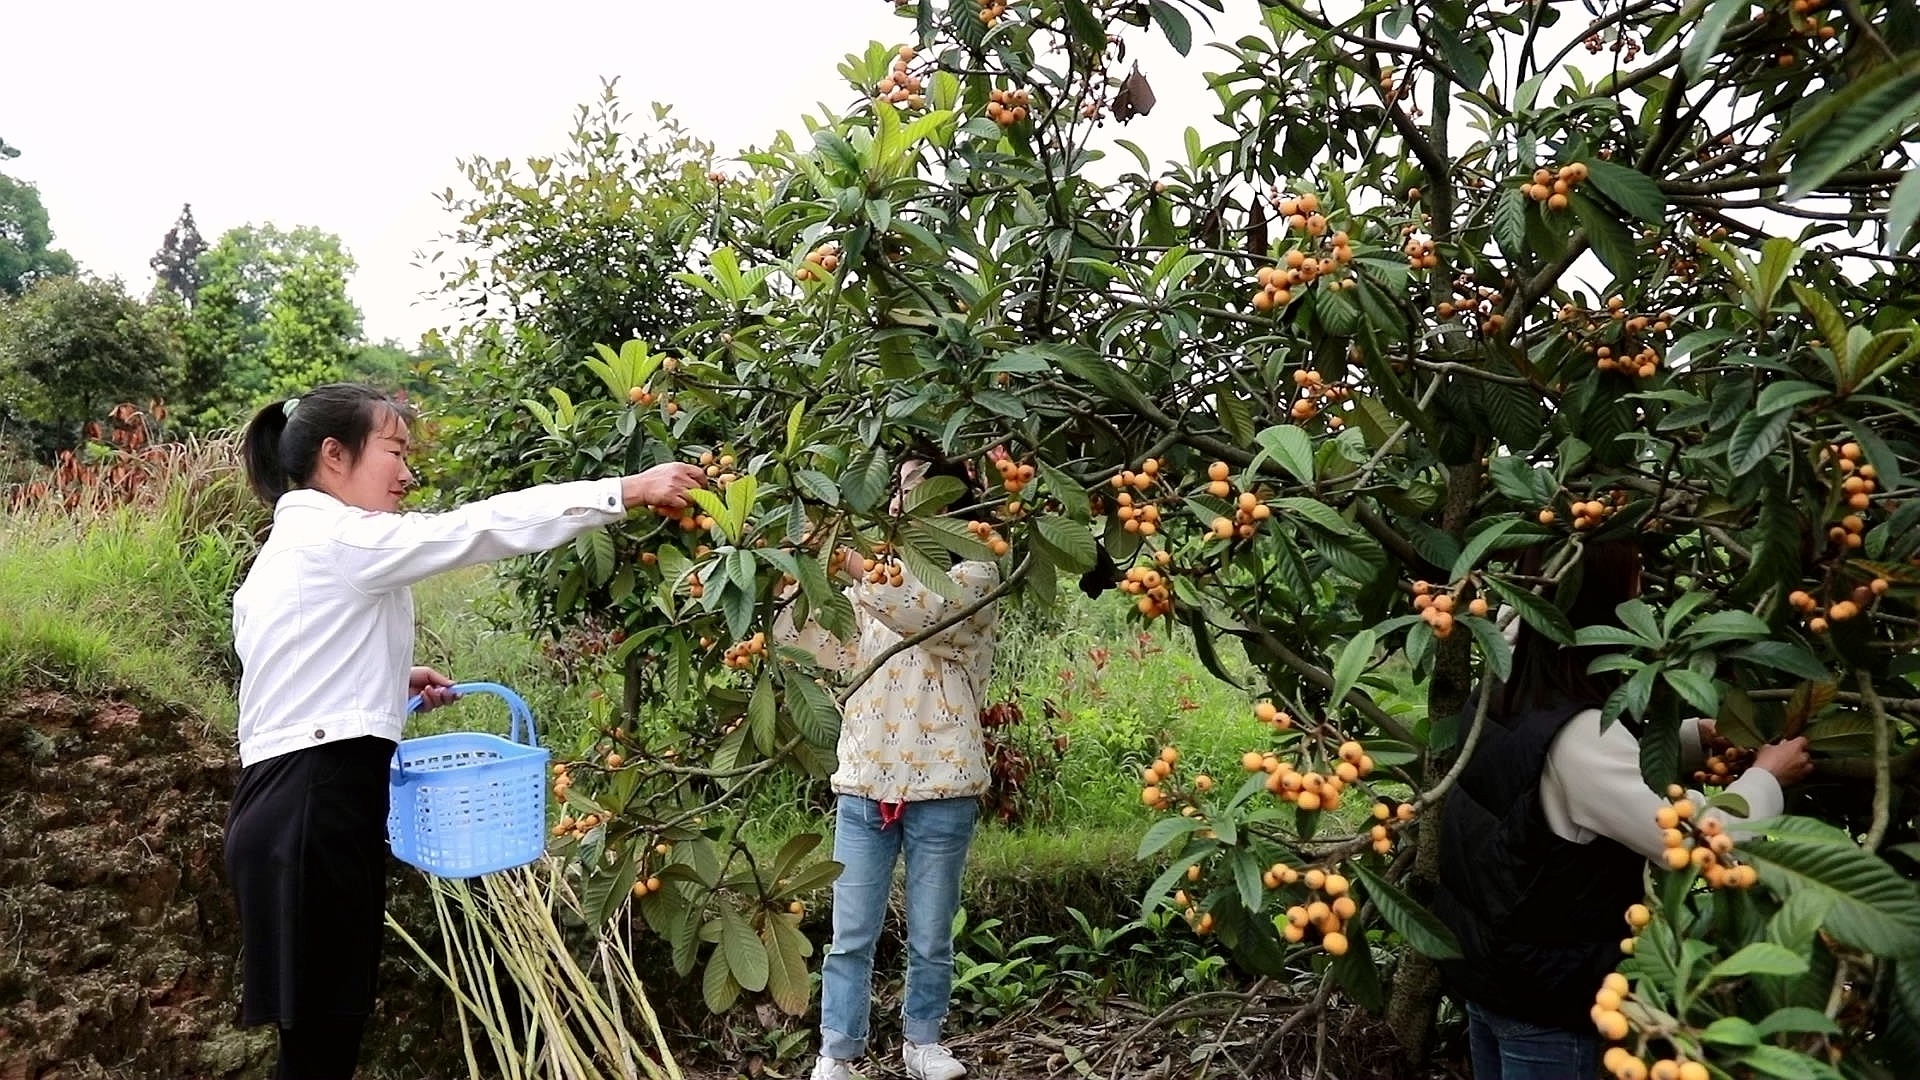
x: 323, y: 624
x: 1591, y: 786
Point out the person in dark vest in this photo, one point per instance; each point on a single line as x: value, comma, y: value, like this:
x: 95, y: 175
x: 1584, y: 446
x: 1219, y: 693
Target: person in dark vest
x: 1543, y: 839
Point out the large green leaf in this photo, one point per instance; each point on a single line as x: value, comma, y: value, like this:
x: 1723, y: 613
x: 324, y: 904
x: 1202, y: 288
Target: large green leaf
x: 1706, y: 36
x: 1874, y: 908
x: 1873, y: 112
x: 1755, y: 437
x: 1629, y: 189
x: 1420, y: 927
x: 1537, y: 612
x: 1068, y: 538
x: 1353, y: 661
x: 814, y: 714
x: 787, y: 950
x: 746, y: 954
x: 718, y: 986
x: 1760, y: 958
x: 1291, y: 448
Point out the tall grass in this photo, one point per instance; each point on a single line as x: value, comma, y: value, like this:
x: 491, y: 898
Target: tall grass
x: 131, y: 597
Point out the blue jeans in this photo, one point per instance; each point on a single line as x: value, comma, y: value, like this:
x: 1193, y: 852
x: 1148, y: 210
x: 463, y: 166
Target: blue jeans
x: 934, y: 835
x: 1507, y: 1049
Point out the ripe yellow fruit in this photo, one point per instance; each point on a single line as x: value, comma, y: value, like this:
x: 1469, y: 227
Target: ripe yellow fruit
x: 1335, y: 943
x: 1219, y: 470
x: 1150, y: 796
x: 1612, y: 1025
x: 1678, y: 858
x: 1666, y: 817
x: 1693, y: 1070
x: 1170, y: 755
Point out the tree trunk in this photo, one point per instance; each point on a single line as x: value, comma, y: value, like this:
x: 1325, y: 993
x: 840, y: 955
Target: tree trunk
x: 1412, y: 1006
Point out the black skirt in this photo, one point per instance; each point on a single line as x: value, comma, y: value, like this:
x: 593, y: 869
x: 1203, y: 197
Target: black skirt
x: 307, y: 859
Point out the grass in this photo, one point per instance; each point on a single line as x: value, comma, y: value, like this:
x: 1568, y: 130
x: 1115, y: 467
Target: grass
x: 132, y: 601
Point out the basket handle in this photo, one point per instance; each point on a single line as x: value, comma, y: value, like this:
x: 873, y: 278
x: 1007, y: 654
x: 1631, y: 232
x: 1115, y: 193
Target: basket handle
x: 517, y: 708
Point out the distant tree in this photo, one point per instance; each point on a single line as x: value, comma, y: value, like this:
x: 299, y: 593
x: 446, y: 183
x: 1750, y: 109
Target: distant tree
x: 71, y: 347
x: 176, y: 265
x: 25, y: 238
x: 271, y: 318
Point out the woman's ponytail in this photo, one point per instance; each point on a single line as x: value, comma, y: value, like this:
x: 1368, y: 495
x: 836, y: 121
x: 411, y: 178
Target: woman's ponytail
x: 260, y: 452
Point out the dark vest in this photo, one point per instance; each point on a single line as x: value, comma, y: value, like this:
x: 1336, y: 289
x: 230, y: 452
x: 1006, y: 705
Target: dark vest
x: 1539, y: 918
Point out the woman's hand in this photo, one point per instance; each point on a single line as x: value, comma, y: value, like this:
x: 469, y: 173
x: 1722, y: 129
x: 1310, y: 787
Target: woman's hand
x: 1787, y: 760
x: 664, y: 486
x: 432, y: 688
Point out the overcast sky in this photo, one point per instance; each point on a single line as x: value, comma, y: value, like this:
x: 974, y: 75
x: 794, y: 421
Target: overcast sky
x: 348, y: 116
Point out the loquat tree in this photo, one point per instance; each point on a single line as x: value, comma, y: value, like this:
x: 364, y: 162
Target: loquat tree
x: 1469, y: 291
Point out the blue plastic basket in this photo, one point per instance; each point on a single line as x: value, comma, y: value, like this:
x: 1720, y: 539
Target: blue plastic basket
x: 469, y: 803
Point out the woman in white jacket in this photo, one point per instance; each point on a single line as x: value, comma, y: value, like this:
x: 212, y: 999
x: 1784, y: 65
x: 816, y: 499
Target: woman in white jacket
x: 323, y: 627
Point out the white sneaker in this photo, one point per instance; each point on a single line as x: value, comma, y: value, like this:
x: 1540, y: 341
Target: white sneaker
x: 931, y: 1062
x: 826, y: 1068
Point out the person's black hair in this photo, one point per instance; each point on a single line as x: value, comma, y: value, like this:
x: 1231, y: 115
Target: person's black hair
x: 282, y: 442
x: 1546, y: 673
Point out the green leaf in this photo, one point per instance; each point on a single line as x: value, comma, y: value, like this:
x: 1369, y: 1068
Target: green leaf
x: 1874, y: 908
x: 1482, y: 542
x: 746, y: 955
x: 1420, y: 927
x: 1755, y: 437
x: 787, y: 951
x: 1785, y: 395
x: 1760, y: 958
x: 1784, y: 656
x: 1291, y: 448
x: 1493, y: 647
x: 1873, y: 111
x: 1706, y: 37
x: 1173, y: 24
x: 1629, y: 189
x: 1902, y: 210
x: 1510, y: 225
x: 1731, y: 1030
x: 866, y: 480
x: 1787, y: 1064
x: 1698, y: 690
x: 1317, y: 512
x: 925, y: 558
x: 1353, y: 661
x: 817, y: 486
x: 1611, y: 239
x: 1086, y: 27
x: 1537, y: 612
x: 1359, y: 977
x: 1068, y: 538
x: 1163, y: 832
x: 1796, y: 1018
x: 932, y: 495
x: 813, y: 711
x: 717, y: 985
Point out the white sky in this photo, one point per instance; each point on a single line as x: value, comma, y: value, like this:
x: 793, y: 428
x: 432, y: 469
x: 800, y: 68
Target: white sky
x: 348, y: 116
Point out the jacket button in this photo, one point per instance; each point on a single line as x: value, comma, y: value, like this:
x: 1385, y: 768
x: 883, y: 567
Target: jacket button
x: 319, y: 733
